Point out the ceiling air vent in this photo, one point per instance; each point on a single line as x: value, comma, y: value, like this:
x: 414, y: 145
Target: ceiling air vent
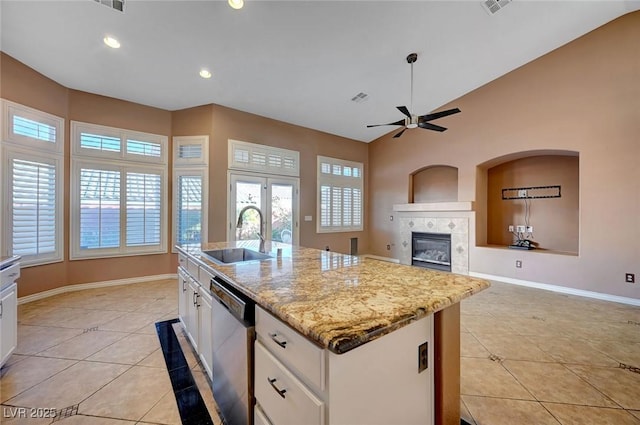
x: 114, y: 4
x: 360, y: 97
x: 492, y: 6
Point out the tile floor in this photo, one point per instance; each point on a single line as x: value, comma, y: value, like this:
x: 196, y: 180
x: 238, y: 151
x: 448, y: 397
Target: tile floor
x: 536, y: 357
x: 94, y: 356
x: 528, y: 357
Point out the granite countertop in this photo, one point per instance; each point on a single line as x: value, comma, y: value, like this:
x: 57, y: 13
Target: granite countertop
x: 340, y: 301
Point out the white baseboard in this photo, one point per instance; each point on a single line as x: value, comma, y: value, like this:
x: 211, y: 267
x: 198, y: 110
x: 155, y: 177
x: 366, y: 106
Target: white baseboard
x: 378, y: 257
x: 561, y: 289
x: 92, y: 285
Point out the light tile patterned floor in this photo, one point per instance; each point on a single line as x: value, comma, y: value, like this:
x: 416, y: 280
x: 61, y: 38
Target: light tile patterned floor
x: 96, y: 352
x: 533, y: 357
x: 528, y: 357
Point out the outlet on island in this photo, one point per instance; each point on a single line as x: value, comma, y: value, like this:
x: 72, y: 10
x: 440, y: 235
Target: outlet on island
x: 630, y: 278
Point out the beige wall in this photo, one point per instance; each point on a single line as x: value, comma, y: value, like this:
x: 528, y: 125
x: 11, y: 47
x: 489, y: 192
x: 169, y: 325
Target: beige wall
x: 583, y: 97
x: 23, y: 85
x: 554, y: 220
x: 222, y: 124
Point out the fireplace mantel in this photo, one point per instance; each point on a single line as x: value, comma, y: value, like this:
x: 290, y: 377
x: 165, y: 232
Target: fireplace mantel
x: 434, y: 206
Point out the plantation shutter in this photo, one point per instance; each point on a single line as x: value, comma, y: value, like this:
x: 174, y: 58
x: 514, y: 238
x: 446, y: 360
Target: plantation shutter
x: 33, y: 207
x: 143, y: 209
x: 189, y: 210
x: 99, y: 208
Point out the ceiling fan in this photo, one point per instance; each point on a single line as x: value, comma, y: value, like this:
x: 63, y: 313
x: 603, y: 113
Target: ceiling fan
x: 413, y: 121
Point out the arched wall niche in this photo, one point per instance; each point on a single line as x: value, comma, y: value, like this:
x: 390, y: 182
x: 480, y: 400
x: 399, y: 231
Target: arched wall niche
x: 555, y: 221
x: 435, y: 183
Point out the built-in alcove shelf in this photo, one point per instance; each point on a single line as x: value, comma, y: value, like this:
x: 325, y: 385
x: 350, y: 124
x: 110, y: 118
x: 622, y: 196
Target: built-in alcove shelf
x: 537, y: 250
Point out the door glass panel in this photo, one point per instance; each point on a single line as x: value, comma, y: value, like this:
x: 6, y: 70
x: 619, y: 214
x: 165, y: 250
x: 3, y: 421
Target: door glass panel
x: 248, y: 193
x: 282, y: 213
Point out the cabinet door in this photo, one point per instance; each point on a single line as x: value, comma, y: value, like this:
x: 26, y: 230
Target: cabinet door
x: 8, y: 322
x: 192, y: 313
x: 205, y: 348
x: 182, y: 296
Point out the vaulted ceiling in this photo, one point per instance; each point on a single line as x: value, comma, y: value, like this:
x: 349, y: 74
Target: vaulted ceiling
x: 300, y: 62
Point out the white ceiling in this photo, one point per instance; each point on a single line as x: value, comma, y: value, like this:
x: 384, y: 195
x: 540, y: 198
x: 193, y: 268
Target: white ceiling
x: 295, y: 61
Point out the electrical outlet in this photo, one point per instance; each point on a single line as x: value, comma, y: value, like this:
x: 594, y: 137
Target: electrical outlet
x: 522, y: 193
x: 423, y: 357
x: 518, y: 264
x: 529, y: 229
x: 388, y: 247
x: 630, y: 278
x: 390, y: 218
x: 511, y: 228
x: 520, y: 229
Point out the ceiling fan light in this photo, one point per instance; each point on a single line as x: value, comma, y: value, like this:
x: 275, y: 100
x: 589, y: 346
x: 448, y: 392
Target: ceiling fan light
x: 236, y: 4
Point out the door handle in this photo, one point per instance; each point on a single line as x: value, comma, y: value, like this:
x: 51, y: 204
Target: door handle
x: 272, y: 382
x: 282, y: 344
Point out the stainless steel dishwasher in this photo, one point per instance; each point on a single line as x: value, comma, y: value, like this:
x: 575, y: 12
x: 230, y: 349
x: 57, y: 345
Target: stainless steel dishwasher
x: 233, y: 333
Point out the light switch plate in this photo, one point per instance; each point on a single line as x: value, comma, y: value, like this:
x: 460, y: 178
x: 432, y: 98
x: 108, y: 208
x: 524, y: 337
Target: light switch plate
x: 308, y: 218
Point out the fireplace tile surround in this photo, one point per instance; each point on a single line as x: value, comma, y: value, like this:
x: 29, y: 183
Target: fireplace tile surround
x: 454, y: 218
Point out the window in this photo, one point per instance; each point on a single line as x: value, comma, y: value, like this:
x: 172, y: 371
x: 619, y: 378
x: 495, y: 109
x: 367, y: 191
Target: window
x: 267, y: 177
x: 263, y: 159
x: 190, y: 182
x: 340, y: 187
x: 118, y: 193
x: 31, y: 169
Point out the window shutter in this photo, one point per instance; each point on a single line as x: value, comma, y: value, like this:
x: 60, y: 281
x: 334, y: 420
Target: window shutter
x: 99, y: 209
x: 144, y: 148
x: 189, y: 210
x: 99, y: 142
x: 33, y: 207
x: 29, y: 128
x: 143, y: 209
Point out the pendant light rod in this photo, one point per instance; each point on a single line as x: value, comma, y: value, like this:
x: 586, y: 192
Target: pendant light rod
x: 411, y: 59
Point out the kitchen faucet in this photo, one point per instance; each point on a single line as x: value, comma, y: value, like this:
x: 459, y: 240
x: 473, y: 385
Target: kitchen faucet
x: 261, y: 233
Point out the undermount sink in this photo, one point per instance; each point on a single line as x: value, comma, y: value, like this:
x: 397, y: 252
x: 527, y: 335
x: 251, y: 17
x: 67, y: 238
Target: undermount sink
x: 234, y: 255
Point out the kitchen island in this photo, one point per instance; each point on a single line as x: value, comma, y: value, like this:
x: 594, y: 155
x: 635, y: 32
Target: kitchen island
x: 364, y: 318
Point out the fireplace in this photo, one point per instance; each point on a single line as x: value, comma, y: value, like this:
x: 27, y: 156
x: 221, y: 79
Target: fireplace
x: 431, y: 250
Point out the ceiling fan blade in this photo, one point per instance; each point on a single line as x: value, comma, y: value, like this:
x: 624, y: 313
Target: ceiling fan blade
x: 404, y: 110
x: 429, y: 126
x: 399, y: 122
x: 436, y: 115
x: 399, y: 133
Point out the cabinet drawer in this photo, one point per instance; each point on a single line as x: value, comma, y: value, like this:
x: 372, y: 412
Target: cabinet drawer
x: 205, y: 278
x: 291, y: 348
x: 193, y: 268
x: 9, y: 275
x: 284, y: 399
x: 182, y: 260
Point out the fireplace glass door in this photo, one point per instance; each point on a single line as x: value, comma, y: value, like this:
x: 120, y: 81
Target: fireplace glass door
x: 431, y: 250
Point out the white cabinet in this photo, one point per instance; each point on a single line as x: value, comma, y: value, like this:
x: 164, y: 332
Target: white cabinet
x: 205, y: 347
x: 191, y: 324
x: 377, y: 383
x: 8, y: 322
x: 183, y: 286
x: 195, y: 308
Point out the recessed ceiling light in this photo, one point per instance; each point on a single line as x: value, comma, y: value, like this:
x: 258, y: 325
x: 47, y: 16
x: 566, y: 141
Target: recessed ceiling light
x: 111, y: 42
x: 236, y: 4
x: 205, y: 73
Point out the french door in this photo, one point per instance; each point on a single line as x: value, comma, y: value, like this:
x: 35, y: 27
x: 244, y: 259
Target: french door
x: 277, y: 199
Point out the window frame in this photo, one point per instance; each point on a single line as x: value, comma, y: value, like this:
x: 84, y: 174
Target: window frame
x: 339, y: 181
x: 190, y: 167
x: 124, y: 163
x: 17, y: 146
